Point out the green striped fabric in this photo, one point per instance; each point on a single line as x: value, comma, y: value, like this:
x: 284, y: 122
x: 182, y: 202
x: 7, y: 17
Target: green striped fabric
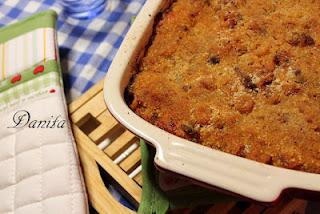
x: 40, y: 20
x: 27, y: 75
x: 35, y: 86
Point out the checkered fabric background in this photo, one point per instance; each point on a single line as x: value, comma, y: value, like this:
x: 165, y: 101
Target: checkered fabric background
x: 86, y: 47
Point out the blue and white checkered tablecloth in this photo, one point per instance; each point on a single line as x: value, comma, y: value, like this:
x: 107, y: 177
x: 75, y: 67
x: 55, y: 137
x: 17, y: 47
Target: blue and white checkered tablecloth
x: 86, y: 47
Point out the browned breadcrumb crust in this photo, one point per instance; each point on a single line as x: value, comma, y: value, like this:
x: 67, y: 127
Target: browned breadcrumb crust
x: 240, y: 76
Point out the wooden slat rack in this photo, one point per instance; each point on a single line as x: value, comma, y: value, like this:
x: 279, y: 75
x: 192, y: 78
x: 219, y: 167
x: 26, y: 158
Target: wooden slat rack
x: 103, y: 144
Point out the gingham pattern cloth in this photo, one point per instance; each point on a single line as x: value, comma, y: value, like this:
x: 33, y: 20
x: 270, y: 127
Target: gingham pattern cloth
x: 26, y: 89
x: 86, y: 47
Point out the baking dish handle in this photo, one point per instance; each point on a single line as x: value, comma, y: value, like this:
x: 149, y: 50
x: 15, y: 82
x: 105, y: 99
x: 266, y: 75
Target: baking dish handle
x: 245, y: 177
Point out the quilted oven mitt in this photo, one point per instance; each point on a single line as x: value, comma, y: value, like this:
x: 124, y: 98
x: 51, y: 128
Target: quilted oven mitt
x: 39, y: 166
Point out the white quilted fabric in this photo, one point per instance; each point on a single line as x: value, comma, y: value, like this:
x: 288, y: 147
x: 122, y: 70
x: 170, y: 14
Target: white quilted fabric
x: 39, y: 169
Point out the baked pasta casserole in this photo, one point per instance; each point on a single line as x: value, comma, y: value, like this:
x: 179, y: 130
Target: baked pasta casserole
x: 240, y: 76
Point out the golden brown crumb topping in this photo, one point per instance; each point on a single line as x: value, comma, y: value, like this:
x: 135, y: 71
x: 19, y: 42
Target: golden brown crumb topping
x: 241, y: 76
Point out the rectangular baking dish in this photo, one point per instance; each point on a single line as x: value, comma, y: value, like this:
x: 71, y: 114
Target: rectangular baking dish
x: 244, y: 177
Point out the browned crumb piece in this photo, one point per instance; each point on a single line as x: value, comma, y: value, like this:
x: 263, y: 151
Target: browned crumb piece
x: 241, y: 76
x: 301, y: 40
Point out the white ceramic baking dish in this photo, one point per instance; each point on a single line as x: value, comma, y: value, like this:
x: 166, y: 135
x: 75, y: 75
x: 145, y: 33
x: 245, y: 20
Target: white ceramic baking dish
x: 245, y: 177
